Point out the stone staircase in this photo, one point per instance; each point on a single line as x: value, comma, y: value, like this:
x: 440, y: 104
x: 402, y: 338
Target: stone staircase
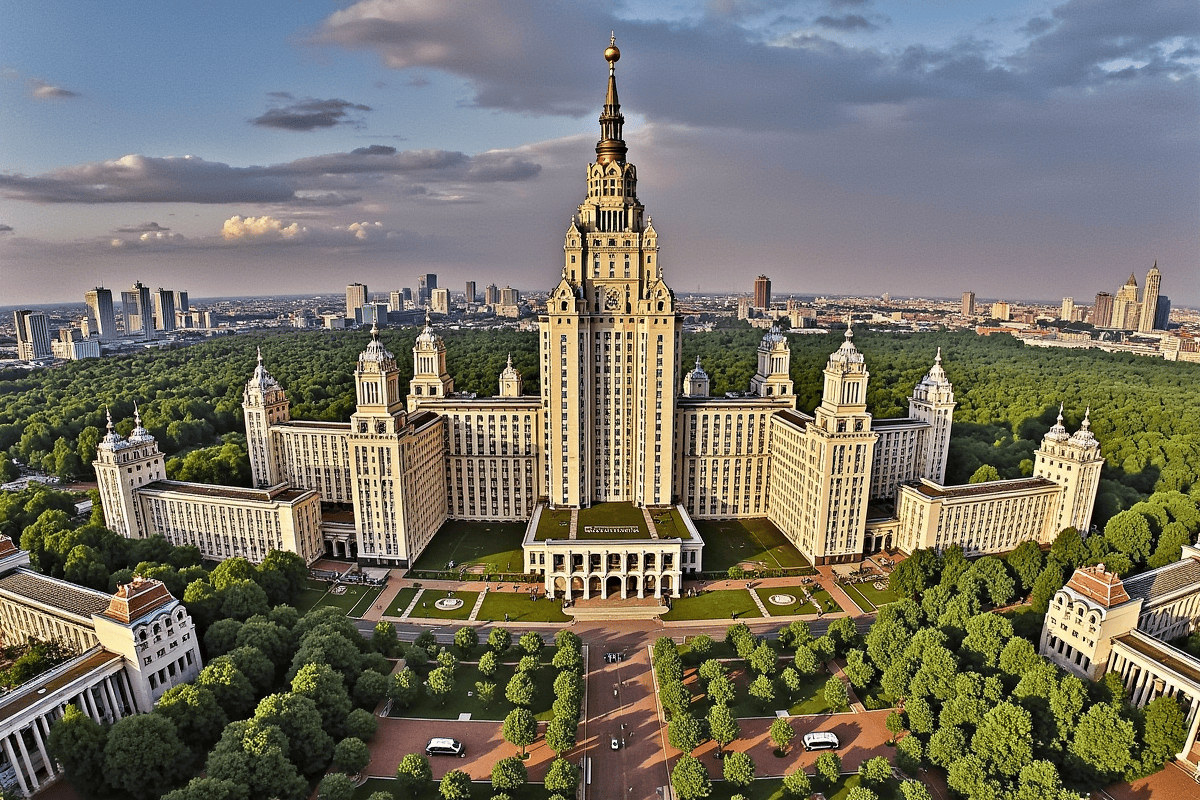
x: 616, y: 608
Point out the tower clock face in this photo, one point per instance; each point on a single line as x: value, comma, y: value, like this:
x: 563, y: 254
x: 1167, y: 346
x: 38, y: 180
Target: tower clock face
x: 612, y: 299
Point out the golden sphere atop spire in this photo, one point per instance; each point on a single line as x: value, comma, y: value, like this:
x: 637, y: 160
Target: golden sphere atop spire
x: 611, y: 53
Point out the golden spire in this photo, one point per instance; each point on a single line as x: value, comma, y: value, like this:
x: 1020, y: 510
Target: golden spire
x: 611, y: 147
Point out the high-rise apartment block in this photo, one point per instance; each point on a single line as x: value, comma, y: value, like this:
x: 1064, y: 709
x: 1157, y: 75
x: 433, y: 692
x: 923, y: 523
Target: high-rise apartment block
x: 618, y: 435
x: 396, y: 301
x: 356, y: 298
x: 33, y: 335
x: 1150, y: 297
x: 469, y: 293
x: 1068, y: 309
x: 137, y: 308
x: 762, y: 292
x: 425, y: 285
x: 164, y: 310
x: 102, y: 321
x: 439, y: 301
x: 968, y: 304
x: 1102, y: 311
x: 491, y: 295
x: 1126, y: 309
x: 1001, y: 311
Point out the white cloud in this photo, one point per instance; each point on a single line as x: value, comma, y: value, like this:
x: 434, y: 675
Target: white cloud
x: 264, y: 227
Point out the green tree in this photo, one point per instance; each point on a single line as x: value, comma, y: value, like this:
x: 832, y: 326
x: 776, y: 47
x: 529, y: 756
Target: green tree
x: 875, y: 772
x: 1101, y: 748
x: 567, y: 659
x: 509, y: 774
x: 361, y: 724
x: 384, y: 639
x: 351, y: 755
x: 560, y: 734
x: 782, y: 734
x: 254, y: 664
x: 709, y: 669
x: 909, y: 753
x: 208, y: 789
x: 690, y: 779
x: 791, y: 680
x: 738, y: 769
x: 722, y: 725
x: 499, y: 640
x: 283, y: 575
x: 466, y: 639
x: 1004, y: 739
x: 562, y: 777
x: 325, y: 687
x: 77, y: 744
x: 520, y: 728
x: 414, y: 774
x: 762, y: 660
x: 835, y: 693
x: 797, y: 784
x: 700, y: 647
x: 947, y: 745
x: 894, y: 724
x: 844, y: 633
x: 1165, y: 732
x: 762, y: 689
x: 229, y: 686
x: 1129, y: 532
x: 829, y: 768
x: 309, y: 746
x: 520, y: 690
x: 674, y: 696
x: 1027, y: 561
x: 531, y: 642
x: 915, y: 790
x: 440, y: 684
x: 720, y: 690
x: 335, y: 786
x: 684, y: 732
x: 858, y: 670
x: 1068, y: 549
x: 1045, y: 587
x: 405, y: 687
x: 986, y: 636
x: 985, y: 474
x: 143, y: 755
x: 370, y: 689
x: 197, y: 717
x: 455, y: 785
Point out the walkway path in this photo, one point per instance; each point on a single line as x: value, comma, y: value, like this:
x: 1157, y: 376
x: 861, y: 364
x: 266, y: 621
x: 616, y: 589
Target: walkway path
x: 478, y: 604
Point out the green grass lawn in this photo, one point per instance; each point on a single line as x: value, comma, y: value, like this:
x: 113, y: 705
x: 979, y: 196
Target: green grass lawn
x: 494, y: 546
x: 520, y: 608
x: 403, y: 598
x: 719, y: 650
x: 728, y: 542
x: 427, y: 610
x: 809, y: 698
x: 354, y: 603
x: 460, y: 702
x: 370, y: 594
x: 717, y: 604
x: 800, y: 606
x: 480, y: 790
x: 867, y: 597
x: 312, y: 595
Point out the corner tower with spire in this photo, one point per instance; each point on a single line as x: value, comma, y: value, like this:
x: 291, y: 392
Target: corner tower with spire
x: 264, y: 403
x: 610, y: 341
x: 933, y: 401
x: 1073, y: 461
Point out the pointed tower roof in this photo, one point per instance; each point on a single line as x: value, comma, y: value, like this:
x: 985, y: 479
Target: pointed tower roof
x: 510, y: 371
x: 698, y: 372
x: 1154, y: 268
x: 262, y: 379
x: 1084, y: 436
x: 375, y: 351
x: 139, y: 434
x: 1058, y: 432
x: 112, y: 440
x: 427, y: 335
x: 1132, y: 280
x: 611, y: 146
x: 847, y: 353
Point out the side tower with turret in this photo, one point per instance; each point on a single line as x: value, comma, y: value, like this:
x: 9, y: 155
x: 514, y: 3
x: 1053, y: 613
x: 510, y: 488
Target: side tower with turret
x: 264, y: 404
x: 932, y: 401
x: 1073, y: 461
x: 122, y: 466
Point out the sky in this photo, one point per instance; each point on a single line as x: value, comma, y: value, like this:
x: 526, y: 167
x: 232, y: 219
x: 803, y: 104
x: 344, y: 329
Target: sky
x: 1019, y: 149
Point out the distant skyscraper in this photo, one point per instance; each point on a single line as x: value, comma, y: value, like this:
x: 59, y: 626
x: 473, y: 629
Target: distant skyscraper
x: 509, y: 296
x: 164, y: 310
x: 1102, y: 311
x: 743, y: 311
x: 1162, y: 313
x: 1068, y: 308
x: 439, y: 301
x: 138, y: 310
x: 102, y: 322
x: 181, y: 302
x: 33, y: 335
x: 470, y: 292
x: 1126, y: 312
x: 1150, y: 300
x: 968, y: 304
x: 425, y: 285
x: 396, y: 301
x: 1001, y: 311
x: 491, y: 295
x: 762, y: 292
x: 406, y: 293
x: 356, y: 298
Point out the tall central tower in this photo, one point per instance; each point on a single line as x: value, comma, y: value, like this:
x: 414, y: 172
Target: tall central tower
x: 610, y: 341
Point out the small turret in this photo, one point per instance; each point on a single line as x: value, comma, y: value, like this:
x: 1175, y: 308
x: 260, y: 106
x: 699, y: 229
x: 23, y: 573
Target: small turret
x: 510, y: 380
x: 696, y: 384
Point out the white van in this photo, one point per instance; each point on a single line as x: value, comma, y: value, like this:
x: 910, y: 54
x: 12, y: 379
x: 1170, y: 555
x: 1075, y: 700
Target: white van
x: 445, y: 747
x: 821, y: 740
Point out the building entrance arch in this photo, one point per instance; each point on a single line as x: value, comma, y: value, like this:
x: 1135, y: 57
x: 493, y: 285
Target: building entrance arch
x: 612, y: 586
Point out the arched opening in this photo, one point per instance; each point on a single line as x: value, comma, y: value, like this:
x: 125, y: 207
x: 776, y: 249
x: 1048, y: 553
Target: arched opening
x: 666, y: 584
x: 576, y: 587
x: 631, y: 586
x: 560, y: 587
x: 594, y: 586
x: 650, y: 584
x: 612, y: 586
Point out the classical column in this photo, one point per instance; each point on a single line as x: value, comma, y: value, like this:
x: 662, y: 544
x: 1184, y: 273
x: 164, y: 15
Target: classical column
x: 1190, y: 741
x: 133, y: 706
x: 37, y: 740
x: 45, y: 737
x: 12, y: 759
x: 88, y: 707
x: 112, y: 698
x: 28, y: 761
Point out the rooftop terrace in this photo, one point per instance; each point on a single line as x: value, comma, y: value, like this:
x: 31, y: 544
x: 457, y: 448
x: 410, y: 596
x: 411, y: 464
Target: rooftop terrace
x: 611, y: 521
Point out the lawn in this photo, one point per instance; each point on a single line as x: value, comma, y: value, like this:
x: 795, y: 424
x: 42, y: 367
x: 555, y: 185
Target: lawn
x: 464, y: 700
x: 809, y: 698
x: 520, y: 608
x: 427, y: 610
x: 492, y: 546
x: 403, y: 598
x: 354, y: 603
x: 867, y: 597
x: 729, y: 542
x: 798, y: 608
x: 715, y: 604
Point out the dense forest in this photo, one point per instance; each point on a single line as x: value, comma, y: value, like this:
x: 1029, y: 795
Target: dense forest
x: 1146, y: 412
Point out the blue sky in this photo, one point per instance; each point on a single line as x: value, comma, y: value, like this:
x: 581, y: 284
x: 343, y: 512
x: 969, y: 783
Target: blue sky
x: 1019, y: 150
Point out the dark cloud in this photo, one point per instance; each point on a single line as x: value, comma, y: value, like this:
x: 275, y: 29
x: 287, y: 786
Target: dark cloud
x: 849, y: 22
x: 145, y: 227
x: 1037, y: 26
x: 848, y: 3
x: 6, y: 228
x: 374, y: 150
x: 42, y: 90
x: 309, y: 114
x: 492, y: 167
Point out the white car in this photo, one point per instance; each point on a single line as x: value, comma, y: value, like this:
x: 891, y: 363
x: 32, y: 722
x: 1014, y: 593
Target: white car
x: 616, y: 744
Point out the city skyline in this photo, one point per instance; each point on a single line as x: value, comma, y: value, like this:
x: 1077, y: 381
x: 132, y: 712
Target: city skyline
x: 860, y: 149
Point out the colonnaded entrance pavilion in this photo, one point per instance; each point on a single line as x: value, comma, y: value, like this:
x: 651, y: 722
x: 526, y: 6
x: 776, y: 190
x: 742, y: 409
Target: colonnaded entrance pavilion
x: 612, y: 550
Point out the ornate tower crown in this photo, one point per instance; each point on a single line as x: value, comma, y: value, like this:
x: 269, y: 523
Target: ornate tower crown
x: 611, y: 146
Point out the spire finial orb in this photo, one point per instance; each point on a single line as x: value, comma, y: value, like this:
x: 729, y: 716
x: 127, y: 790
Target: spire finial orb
x: 938, y: 358
x: 612, y: 54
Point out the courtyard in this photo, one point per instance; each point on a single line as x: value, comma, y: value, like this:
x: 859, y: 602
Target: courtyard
x: 752, y: 544
x: 475, y: 548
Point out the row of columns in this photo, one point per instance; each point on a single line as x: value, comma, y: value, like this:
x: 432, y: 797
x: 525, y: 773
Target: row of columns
x: 106, y: 709
x: 585, y: 579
